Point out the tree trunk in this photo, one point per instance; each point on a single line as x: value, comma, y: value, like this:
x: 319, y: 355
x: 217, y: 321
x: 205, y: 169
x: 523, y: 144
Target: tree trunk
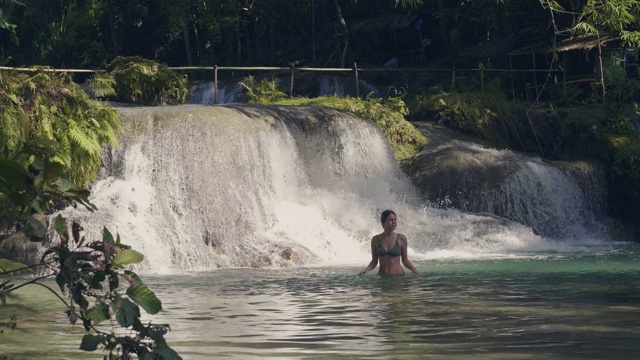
x: 443, y: 26
x: 112, y: 28
x: 187, y: 42
x: 343, y: 24
x: 604, y: 88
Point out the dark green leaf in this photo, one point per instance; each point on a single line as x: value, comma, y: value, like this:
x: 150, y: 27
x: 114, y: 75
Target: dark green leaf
x: 90, y: 342
x: 53, y: 170
x: 60, y: 280
x: 99, y: 313
x: 126, y: 312
x: 166, y: 353
x: 144, y: 297
x: 107, y: 237
x: 13, y: 174
x: 97, y: 279
x: 60, y: 225
x: 75, y: 230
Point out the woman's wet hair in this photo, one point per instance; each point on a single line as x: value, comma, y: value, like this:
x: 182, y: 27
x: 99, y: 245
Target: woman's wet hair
x: 385, y: 214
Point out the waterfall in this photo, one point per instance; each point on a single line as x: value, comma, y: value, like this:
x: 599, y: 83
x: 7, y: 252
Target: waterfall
x: 550, y: 200
x: 199, y: 187
x: 561, y: 200
x: 231, y: 92
x: 203, y: 93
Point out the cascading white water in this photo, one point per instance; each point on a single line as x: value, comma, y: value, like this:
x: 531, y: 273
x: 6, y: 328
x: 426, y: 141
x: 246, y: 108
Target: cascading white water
x: 544, y: 197
x: 199, y: 187
x: 233, y: 92
x: 204, y: 93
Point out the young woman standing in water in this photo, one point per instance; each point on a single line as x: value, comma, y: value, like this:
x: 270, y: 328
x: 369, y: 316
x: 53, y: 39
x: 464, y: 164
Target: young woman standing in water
x: 388, y: 248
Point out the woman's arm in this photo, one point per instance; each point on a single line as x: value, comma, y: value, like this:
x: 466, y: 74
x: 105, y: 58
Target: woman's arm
x: 405, y: 258
x: 374, y: 258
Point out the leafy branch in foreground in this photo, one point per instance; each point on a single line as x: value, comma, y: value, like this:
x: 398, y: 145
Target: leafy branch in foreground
x: 91, y: 274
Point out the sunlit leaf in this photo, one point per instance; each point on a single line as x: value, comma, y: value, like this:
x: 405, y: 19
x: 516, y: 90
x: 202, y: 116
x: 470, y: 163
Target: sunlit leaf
x: 7, y: 265
x: 144, y: 297
x: 126, y: 257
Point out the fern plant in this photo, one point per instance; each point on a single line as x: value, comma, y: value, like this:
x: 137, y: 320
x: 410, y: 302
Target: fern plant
x: 57, y: 111
x: 102, y: 85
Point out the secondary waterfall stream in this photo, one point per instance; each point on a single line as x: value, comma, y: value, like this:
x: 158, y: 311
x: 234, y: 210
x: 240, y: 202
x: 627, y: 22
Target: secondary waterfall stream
x: 197, y: 187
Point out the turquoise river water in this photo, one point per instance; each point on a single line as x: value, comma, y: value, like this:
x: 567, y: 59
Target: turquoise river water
x: 572, y: 305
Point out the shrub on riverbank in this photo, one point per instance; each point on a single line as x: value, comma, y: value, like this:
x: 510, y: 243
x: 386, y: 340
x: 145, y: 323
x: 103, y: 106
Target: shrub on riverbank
x: 404, y: 138
x: 491, y: 116
x: 607, y: 134
x: 146, y: 82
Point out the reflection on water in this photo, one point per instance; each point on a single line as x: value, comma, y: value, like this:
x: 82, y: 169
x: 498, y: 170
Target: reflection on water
x: 585, y: 306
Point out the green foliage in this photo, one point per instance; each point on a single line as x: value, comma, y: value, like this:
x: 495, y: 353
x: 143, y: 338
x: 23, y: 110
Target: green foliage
x: 263, y: 92
x: 101, y: 85
x: 404, y: 138
x: 607, y: 135
x: 594, y: 17
x: 559, y: 96
x: 501, y: 122
x: 619, y: 87
x: 47, y: 111
x: 90, y: 273
x: 146, y: 82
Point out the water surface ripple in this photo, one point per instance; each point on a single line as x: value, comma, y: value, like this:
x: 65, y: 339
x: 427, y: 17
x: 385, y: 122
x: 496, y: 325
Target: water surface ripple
x: 583, y: 307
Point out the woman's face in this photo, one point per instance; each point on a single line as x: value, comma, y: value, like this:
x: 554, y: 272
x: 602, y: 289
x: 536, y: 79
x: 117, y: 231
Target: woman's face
x: 390, y: 222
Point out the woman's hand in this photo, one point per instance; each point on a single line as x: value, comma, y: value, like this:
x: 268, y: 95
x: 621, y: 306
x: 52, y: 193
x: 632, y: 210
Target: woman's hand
x: 363, y: 271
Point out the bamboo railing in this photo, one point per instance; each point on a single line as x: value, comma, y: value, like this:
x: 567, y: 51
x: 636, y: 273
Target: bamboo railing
x: 292, y: 69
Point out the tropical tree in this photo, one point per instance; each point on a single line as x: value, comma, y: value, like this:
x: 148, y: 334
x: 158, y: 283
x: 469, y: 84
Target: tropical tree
x: 6, y: 7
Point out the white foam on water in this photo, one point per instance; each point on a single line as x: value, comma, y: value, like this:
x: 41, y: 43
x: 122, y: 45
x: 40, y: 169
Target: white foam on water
x: 199, y: 187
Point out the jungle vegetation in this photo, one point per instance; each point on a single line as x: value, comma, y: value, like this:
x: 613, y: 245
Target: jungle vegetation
x: 51, y: 132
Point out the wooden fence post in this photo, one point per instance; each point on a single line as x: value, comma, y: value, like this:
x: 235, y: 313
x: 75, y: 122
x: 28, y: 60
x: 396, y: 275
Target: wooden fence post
x: 215, y: 84
x: 355, y: 70
x: 513, y: 89
x: 292, y: 67
x: 535, y: 76
x: 564, y: 74
x: 453, y: 77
